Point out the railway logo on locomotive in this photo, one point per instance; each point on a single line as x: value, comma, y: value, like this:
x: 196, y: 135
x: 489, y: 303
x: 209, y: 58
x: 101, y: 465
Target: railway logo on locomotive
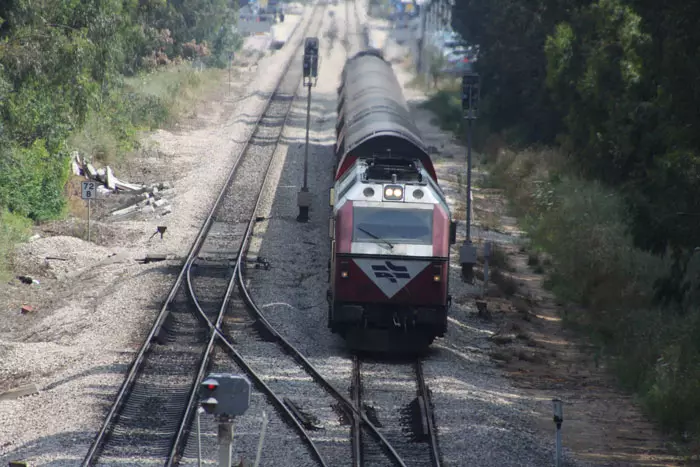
x: 399, y: 272
x: 390, y: 276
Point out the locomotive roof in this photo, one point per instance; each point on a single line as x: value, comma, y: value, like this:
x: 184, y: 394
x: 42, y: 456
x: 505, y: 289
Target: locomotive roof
x: 374, y: 117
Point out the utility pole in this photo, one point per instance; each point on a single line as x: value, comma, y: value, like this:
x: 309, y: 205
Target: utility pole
x: 470, y: 109
x: 310, y: 78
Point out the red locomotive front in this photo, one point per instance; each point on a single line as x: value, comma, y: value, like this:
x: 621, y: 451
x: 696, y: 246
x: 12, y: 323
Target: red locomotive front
x: 391, y: 245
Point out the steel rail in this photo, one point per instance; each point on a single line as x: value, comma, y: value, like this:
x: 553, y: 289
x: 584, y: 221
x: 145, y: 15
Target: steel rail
x: 356, y: 413
x: 137, y: 364
x: 310, y: 368
x: 189, y: 412
x: 356, y: 399
x: 428, y: 414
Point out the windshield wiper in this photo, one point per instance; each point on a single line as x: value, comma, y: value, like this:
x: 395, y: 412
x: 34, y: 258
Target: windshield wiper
x: 391, y: 247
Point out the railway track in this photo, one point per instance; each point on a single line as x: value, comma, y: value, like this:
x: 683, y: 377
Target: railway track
x: 151, y: 420
x: 253, y: 351
x: 148, y: 418
x: 396, y: 399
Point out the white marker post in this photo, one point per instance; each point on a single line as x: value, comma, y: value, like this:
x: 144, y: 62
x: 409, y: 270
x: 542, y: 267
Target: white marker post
x: 88, y: 192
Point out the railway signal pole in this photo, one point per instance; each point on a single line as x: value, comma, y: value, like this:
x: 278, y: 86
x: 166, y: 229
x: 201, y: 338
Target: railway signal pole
x: 470, y: 109
x: 226, y: 396
x: 310, y: 78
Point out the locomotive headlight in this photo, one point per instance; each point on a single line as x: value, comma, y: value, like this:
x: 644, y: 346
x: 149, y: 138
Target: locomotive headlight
x: 393, y: 192
x: 437, y: 273
x: 344, y: 274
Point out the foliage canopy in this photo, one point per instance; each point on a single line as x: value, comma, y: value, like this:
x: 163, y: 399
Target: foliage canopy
x: 62, y: 61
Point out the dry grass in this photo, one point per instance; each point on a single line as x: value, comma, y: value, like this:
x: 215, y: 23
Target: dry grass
x: 74, y: 203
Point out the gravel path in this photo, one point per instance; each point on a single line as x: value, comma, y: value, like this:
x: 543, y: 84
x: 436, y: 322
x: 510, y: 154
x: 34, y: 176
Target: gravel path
x: 94, y: 305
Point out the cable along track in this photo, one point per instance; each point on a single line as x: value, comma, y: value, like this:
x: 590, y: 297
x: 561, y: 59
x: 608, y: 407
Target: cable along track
x: 144, y: 423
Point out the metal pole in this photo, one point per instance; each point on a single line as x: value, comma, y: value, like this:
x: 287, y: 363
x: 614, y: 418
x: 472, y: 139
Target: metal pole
x: 199, y: 437
x: 304, y: 200
x: 262, y: 439
x: 421, y: 38
x: 89, y: 206
x: 306, y: 152
x: 427, y: 61
x: 557, y: 462
x: 225, y: 442
x: 469, y: 180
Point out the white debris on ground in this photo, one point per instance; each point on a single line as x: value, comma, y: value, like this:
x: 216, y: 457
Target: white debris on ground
x: 94, y: 304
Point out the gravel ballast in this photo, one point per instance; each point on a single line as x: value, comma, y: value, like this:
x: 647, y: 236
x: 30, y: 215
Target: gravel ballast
x: 481, y: 420
x: 95, y: 305
x: 94, y: 308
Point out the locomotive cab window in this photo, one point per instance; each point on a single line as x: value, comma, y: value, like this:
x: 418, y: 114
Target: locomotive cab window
x: 376, y: 225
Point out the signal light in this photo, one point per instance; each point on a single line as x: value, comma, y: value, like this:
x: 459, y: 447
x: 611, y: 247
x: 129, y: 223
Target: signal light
x: 224, y: 394
x: 209, y: 405
x: 210, y: 384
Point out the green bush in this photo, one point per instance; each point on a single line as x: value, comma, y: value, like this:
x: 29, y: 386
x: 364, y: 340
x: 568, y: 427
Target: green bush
x: 140, y: 103
x: 654, y: 349
x: 447, y: 105
x: 13, y: 229
x: 32, y: 181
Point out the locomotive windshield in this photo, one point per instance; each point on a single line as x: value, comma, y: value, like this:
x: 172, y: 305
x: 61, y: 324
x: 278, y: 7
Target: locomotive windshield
x: 381, y: 225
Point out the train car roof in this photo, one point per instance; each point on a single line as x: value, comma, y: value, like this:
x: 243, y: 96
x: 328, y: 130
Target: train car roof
x: 376, y: 117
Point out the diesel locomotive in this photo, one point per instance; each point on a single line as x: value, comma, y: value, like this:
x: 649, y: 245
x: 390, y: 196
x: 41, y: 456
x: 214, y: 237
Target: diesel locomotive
x: 391, y: 226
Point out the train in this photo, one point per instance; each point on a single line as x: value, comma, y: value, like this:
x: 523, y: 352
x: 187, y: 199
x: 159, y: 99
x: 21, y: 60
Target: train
x: 391, y: 227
